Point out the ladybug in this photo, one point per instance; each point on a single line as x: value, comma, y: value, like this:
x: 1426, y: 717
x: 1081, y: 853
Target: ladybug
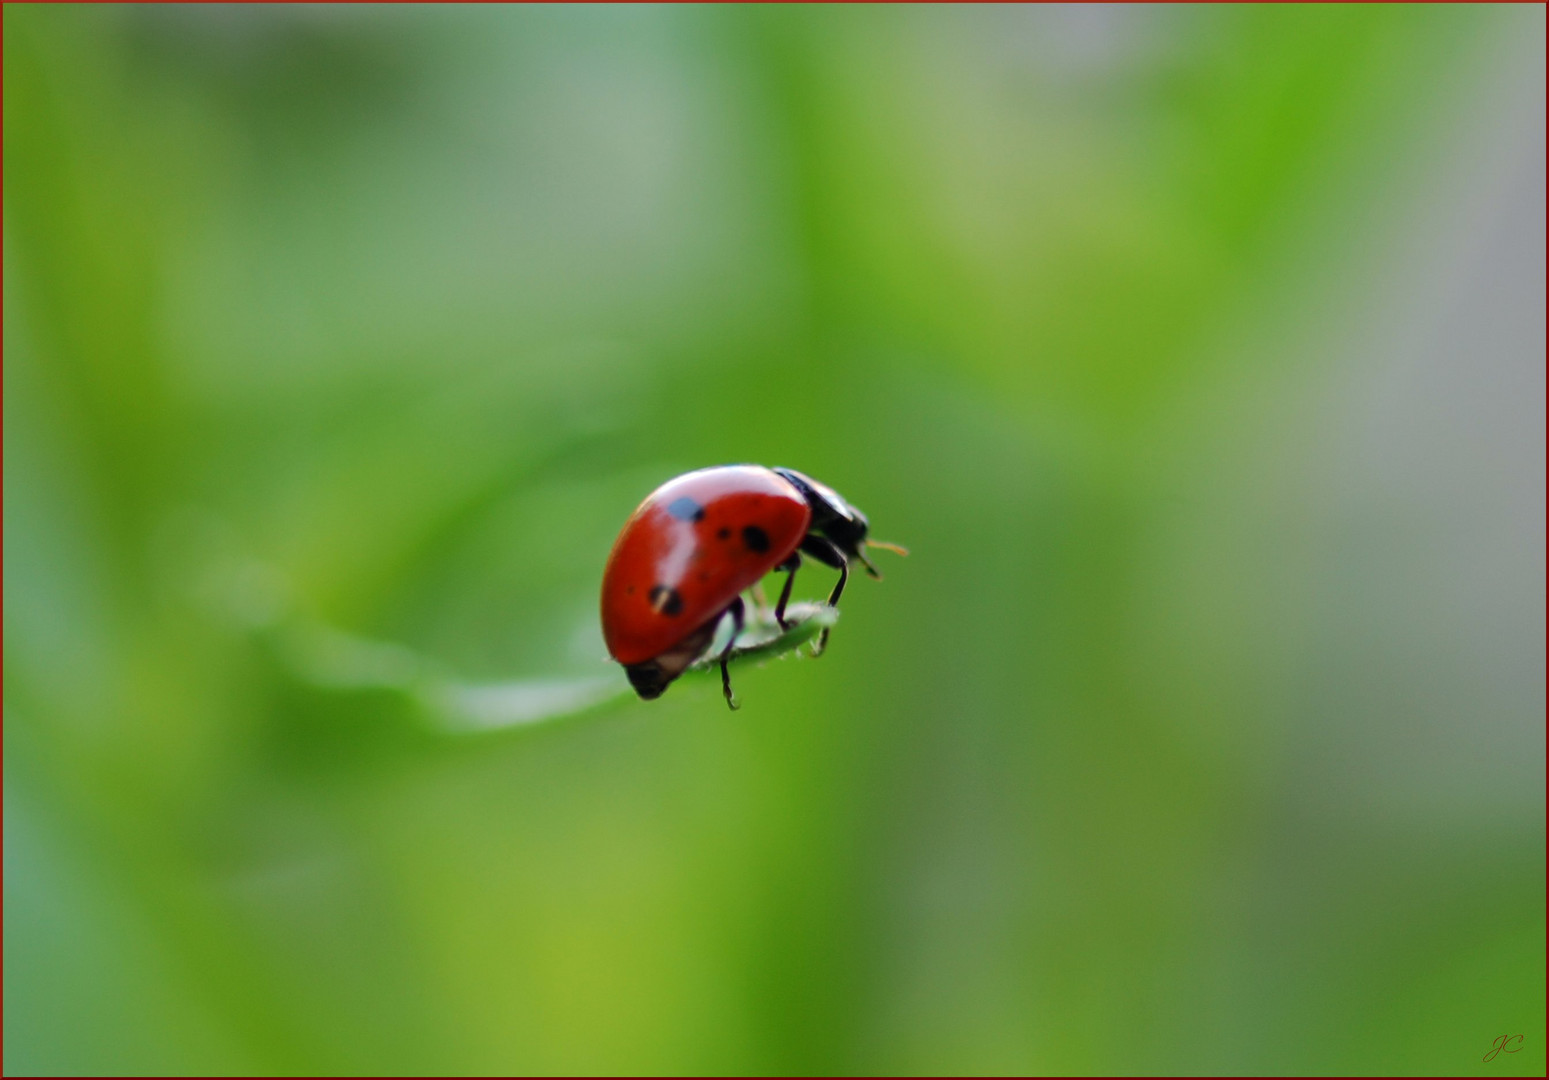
x: 688, y: 551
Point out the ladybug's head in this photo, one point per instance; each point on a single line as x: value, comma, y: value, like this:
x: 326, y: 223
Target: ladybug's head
x: 835, y: 518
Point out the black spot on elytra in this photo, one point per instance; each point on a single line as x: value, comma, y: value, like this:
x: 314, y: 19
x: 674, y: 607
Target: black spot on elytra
x: 665, y: 600
x: 722, y: 533
x: 756, y: 539
x: 686, y: 509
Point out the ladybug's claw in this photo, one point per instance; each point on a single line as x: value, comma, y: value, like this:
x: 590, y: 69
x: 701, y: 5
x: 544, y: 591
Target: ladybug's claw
x: 731, y: 703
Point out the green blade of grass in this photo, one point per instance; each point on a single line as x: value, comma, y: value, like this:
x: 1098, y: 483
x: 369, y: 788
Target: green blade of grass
x: 329, y: 660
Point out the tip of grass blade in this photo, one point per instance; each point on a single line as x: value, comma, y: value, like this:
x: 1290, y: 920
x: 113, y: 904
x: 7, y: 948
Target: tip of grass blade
x: 762, y: 638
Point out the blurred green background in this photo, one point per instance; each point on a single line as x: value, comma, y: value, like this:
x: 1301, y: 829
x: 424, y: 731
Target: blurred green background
x: 1198, y: 354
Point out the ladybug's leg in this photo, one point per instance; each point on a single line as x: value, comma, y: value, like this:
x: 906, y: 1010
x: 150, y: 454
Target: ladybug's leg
x: 792, y: 564
x: 823, y: 550
x: 735, y: 610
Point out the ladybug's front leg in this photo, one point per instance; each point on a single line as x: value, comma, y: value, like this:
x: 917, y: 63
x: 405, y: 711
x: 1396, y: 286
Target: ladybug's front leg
x: 824, y: 551
x: 735, y: 610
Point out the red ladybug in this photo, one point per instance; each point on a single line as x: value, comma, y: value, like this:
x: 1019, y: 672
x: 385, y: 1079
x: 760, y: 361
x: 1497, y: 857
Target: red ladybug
x: 686, y: 554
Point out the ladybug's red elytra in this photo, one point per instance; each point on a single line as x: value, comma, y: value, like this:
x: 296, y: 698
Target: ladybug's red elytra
x: 688, y: 551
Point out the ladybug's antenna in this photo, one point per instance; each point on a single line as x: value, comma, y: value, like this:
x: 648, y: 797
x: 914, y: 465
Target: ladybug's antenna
x: 884, y: 545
